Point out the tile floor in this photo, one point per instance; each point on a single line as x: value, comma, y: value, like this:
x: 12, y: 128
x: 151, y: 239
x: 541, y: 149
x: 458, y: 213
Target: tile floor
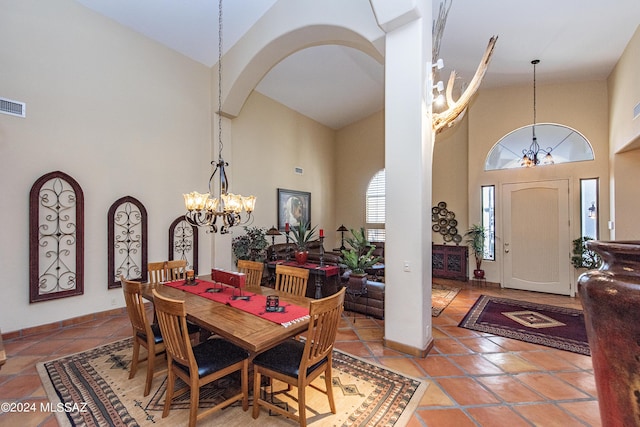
x: 474, y: 379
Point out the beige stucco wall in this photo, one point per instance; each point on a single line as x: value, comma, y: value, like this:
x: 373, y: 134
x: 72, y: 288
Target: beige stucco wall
x: 494, y: 113
x: 624, y: 94
x: 118, y: 112
x: 359, y: 155
x: 269, y: 141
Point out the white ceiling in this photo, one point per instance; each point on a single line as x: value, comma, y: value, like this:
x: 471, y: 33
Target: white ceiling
x: 574, y: 39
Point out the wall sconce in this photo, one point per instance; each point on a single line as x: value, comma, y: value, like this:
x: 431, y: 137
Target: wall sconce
x: 592, y: 211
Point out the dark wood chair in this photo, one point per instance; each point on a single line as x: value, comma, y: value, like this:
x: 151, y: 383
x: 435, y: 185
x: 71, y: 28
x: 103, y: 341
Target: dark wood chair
x: 298, y: 363
x: 198, y: 365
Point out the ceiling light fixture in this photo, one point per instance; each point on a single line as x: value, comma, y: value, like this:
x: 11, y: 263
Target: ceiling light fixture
x: 225, y: 211
x: 531, y: 155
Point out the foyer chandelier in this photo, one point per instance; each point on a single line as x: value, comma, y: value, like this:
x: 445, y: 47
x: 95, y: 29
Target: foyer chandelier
x: 226, y: 210
x: 531, y: 156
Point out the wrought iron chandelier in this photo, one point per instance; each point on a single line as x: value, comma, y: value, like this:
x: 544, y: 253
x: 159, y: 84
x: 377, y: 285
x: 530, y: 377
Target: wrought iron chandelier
x: 225, y: 211
x: 531, y: 156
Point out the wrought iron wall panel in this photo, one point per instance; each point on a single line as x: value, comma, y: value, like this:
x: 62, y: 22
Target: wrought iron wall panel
x: 127, y: 240
x: 56, y: 238
x: 183, y: 242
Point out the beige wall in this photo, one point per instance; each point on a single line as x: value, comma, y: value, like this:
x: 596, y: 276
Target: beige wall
x: 269, y: 141
x: 359, y: 155
x: 119, y: 113
x: 494, y: 113
x: 624, y: 94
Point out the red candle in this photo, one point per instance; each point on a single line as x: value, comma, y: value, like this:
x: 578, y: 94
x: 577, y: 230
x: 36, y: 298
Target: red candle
x: 286, y: 227
x: 321, y: 232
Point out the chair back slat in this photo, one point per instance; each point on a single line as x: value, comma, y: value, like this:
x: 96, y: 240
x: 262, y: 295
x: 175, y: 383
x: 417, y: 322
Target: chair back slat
x: 176, y: 270
x: 135, y: 306
x: 157, y: 272
x: 253, y: 271
x: 172, y: 319
x: 323, y: 327
x: 292, y: 280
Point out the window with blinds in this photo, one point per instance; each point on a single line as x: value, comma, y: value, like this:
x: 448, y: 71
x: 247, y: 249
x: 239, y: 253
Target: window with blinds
x: 375, y: 208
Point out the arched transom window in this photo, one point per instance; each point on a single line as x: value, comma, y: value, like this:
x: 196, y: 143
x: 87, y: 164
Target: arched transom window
x: 375, y: 208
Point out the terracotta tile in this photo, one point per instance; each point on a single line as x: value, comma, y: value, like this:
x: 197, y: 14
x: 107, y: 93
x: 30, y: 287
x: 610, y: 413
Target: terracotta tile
x: 19, y: 386
x: 587, y: 411
x: 439, y: 366
x: 547, y: 415
x: 551, y: 387
x: 509, y: 389
x: 510, y: 362
x: 466, y: 391
x: 450, y: 346
x: 578, y: 360
x: 456, y: 332
x: 481, y: 345
x: 445, y: 418
x: 476, y: 364
x: 370, y: 334
x: 547, y: 360
x: 402, y: 365
x: 435, y: 396
x: 19, y: 364
x: 585, y: 381
x: 346, y: 335
x: 497, y: 415
x: 356, y: 348
x: 379, y: 350
x: 514, y: 345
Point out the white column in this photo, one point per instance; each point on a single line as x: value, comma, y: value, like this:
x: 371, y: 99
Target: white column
x: 408, y: 156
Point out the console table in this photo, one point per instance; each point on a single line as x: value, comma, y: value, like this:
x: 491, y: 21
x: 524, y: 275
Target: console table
x: 449, y: 261
x: 323, y: 281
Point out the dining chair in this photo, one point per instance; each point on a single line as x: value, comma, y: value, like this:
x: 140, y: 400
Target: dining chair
x: 298, y: 363
x: 292, y: 280
x: 253, y: 270
x: 197, y: 365
x: 145, y: 334
x: 157, y: 271
x: 176, y: 270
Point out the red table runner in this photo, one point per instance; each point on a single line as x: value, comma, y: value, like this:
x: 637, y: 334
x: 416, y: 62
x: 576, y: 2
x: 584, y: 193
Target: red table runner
x: 329, y: 270
x: 256, y: 304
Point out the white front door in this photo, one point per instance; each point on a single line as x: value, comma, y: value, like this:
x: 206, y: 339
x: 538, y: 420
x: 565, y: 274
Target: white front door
x: 537, y: 243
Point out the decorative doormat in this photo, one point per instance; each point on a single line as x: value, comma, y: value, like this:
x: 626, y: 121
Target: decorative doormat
x: 548, y: 325
x: 441, y: 297
x: 94, y: 389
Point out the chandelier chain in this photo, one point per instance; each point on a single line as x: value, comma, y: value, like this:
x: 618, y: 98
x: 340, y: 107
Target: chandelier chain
x: 220, y: 80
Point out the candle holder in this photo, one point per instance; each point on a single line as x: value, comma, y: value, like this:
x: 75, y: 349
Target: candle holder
x: 287, y: 251
x: 321, y: 251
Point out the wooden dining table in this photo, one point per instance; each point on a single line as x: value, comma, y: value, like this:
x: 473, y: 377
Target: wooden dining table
x: 242, y: 328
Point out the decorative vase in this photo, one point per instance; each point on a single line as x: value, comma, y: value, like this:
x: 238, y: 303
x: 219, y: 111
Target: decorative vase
x: 357, y: 283
x: 301, y: 257
x: 610, y: 297
x: 478, y: 274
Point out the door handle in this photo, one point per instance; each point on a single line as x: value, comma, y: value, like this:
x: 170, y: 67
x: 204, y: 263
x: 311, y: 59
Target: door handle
x: 506, y: 248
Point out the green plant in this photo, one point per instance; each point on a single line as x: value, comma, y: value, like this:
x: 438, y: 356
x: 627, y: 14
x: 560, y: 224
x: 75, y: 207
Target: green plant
x: 475, y: 236
x: 302, y: 235
x: 359, y: 263
x: 252, y: 245
x: 358, y: 241
x: 584, y: 257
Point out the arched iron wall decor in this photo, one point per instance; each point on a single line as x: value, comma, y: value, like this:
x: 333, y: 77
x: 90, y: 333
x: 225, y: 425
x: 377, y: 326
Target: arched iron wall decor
x: 127, y: 240
x: 56, y: 238
x: 183, y: 242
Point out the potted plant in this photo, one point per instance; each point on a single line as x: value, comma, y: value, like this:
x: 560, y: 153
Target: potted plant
x: 475, y: 236
x: 251, y: 246
x: 358, y: 241
x: 584, y: 257
x: 302, y: 235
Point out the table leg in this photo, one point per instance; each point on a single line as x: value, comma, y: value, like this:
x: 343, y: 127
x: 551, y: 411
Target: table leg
x: 318, y: 287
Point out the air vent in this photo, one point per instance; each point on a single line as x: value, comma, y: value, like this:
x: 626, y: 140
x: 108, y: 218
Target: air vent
x: 636, y: 110
x: 298, y: 170
x: 13, y: 108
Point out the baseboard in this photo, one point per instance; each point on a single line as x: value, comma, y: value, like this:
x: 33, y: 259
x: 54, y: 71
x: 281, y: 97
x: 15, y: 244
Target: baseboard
x: 49, y: 327
x: 411, y: 351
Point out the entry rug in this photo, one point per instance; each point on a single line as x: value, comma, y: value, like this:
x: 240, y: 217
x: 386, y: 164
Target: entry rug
x: 95, y: 385
x: 548, y: 325
x: 441, y: 297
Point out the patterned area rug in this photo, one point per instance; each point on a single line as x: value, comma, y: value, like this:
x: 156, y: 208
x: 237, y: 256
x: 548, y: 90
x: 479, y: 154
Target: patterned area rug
x: 441, y: 297
x: 95, y: 388
x: 551, y: 326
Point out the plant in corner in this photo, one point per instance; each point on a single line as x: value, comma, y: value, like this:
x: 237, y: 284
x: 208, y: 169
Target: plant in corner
x: 302, y: 235
x: 584, y: 257
x: 475, y: 236
x: 252, y: 245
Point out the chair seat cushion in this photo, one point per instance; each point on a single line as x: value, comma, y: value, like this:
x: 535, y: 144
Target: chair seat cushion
x: 285, y: 358
x: 215, y: 354
x: 157, y: 335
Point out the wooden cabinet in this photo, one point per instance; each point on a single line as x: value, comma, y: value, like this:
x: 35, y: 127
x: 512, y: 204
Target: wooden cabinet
x: 450, y: 261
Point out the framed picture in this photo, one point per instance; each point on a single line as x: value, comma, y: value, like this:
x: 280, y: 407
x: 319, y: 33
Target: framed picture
x: 294, y: 207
